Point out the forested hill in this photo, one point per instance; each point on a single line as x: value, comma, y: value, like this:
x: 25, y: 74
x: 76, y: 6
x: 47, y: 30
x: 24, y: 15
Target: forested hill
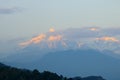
x: 2, y: 65
x: 11, y: 73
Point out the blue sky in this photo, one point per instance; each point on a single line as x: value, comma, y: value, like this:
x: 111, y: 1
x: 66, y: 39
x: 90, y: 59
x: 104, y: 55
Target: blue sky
x: 21, y: 18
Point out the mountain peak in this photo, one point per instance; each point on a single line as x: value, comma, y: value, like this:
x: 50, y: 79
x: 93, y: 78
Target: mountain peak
x: 35, y: 40
x: 76, y: 38
x: 49, y: 38
x: 51, y: 30
x: 94, y: 29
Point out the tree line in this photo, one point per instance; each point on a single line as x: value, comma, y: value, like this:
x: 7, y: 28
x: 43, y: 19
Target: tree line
x: 12, y: 73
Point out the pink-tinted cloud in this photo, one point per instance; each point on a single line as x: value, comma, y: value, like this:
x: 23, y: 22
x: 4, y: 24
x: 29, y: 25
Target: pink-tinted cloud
x: 107, y: 38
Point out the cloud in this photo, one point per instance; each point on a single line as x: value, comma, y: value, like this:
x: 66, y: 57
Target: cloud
x: 115, y: 31
x: 107, y: 38
x: 91, y: 32
x: 85, y: 32
x: 9, y: 10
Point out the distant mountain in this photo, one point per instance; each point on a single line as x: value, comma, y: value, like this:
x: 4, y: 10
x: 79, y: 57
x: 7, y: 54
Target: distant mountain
x: 12, y: 73
x: 82, y: 62
x: 102, y: 39
x: 75, y: 38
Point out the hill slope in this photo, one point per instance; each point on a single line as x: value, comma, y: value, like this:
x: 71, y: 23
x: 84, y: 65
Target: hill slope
x: 81, y: 62
x: 11, y: 73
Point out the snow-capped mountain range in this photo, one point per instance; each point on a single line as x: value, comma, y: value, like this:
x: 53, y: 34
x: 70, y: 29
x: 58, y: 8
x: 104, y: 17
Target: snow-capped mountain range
x: 74, y: 51
x: 102, y: 39
x: 76, y: 38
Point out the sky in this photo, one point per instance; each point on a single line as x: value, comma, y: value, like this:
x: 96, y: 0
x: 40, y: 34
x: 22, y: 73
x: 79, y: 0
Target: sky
x: 25, y: 18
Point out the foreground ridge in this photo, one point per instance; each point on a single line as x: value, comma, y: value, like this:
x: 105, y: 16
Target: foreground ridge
x: 12, y: 73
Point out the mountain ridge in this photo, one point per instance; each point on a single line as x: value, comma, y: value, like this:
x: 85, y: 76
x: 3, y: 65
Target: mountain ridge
x: 12, y: 73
